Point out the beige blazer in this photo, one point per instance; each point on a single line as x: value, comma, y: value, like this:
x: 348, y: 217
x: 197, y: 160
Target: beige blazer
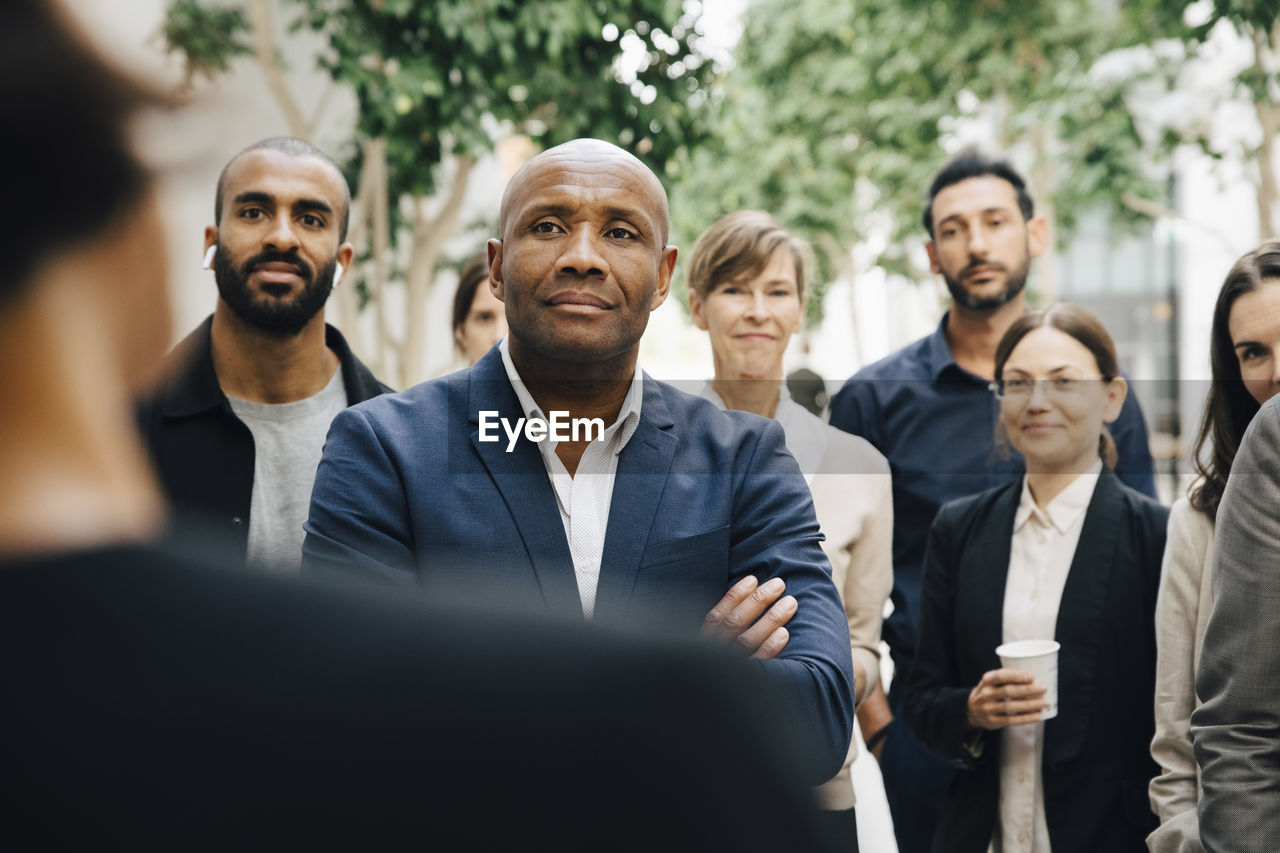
x: 1182, y: 611
x: 853, y: 497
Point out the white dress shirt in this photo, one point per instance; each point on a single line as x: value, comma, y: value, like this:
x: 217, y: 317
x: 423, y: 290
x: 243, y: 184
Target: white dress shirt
x: 1043, y: 546
x: 584, y: 498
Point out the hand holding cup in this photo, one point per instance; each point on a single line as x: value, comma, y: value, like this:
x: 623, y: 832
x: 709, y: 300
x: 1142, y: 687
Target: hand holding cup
x: 1006, y: 697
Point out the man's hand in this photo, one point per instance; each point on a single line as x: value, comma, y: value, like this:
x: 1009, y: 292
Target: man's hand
x: 741, y: 617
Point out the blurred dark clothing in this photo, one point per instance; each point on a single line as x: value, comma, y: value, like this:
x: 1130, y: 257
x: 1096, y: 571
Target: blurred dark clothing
x: 840, y: 829
x: 915, y: 780
x: 152, y: 703
x: 809, y: 390
x: 935, y: 423
x: 203, y: 454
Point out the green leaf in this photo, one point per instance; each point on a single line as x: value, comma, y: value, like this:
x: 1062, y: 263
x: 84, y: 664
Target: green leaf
x: 207, y: 38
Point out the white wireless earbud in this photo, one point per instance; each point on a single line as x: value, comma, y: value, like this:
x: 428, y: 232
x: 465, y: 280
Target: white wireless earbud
x: 337, y: 274
x: 208, y: 256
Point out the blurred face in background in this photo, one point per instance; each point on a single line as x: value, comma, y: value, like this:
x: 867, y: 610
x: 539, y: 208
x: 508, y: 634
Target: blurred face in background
x: 1254, y: 324
x: 1055, y: 402
x: 751, y: 320
x: 142, y: 300
x: 484, y: 326
x: 982, y: 247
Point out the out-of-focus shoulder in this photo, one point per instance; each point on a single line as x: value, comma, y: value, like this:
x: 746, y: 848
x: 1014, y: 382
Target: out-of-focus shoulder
x: 1189, y: 522
x: 851, y: 454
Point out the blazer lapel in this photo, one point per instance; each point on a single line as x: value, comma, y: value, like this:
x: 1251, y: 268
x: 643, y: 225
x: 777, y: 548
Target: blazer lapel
x: 985, y: 578
x: 643, y: 466
x: 1084, y: 599
x: 521, y: 478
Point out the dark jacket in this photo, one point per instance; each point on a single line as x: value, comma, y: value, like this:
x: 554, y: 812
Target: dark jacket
x: 202, y: 452
x: 153, y: 704
x: 1097, y: 762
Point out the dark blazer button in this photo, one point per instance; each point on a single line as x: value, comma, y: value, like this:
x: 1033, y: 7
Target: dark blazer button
x: 236, y: 521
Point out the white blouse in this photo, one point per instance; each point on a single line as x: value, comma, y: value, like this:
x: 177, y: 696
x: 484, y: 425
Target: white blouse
x: 1044, y: 543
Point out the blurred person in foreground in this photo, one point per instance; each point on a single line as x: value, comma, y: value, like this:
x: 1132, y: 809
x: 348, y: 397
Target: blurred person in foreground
x: 236, y: 427
x: 661, y: 511
x: 926, y: 407
x: 1244, y: 357
x: 152, y: 702
x: 747, y: 291
x: 1068, y: 554
x: 479, y: 320
x: 1236, y: 731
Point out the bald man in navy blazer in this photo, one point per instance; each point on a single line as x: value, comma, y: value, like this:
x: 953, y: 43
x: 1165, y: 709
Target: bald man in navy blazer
x: 662, y: 511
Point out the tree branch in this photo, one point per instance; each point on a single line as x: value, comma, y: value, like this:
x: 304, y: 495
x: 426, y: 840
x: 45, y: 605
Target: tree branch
x: 430, y: 233
x: 264, y: 48
x: 840, y: 259
x: 318, y: 112
x: 1269, y: 121
x: 380, y: 243
x: 1155, y: 210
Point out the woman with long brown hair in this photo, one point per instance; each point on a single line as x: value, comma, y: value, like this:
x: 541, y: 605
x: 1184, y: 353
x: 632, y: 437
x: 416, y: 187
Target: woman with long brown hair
x: 1244, y: 360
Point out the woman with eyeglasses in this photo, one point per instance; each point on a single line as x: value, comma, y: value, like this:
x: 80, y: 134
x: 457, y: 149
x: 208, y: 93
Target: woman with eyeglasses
x: 1244, y: 360
x: 1067, y: 554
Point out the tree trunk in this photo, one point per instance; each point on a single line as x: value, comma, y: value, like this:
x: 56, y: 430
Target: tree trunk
x: 380, y: 249
x: 429, y: 236
x: 842, y: 259
x: 264, y: 49
x: 1268, y: 192
x: 1266, y: 60
x: 347, y: 298
x: 1044, y: 179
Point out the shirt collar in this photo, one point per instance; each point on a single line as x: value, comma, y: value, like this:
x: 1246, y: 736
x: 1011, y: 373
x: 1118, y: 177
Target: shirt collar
x: 616, y: 434
x: 709, y: 392
x: 938, y: 352
x: 193, y: 385
x: 1065, y: 509
x: 938, y: 357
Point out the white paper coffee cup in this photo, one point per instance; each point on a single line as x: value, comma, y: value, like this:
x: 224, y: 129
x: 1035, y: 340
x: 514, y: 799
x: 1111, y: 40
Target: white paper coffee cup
x: 1039, y: 657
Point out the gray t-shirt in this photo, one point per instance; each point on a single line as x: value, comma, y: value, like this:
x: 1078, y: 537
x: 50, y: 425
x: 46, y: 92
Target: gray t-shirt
x: 287, y: 440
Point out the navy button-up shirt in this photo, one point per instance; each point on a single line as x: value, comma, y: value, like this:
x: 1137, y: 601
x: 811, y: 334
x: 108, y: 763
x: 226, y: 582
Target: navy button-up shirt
x: 935, y: 423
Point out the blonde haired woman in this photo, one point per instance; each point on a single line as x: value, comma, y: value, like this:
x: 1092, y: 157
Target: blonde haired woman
x: 746, y: 290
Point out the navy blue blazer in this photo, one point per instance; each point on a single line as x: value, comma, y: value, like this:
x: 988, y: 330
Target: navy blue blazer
x: 1097, y: 760
x: 407, y: 493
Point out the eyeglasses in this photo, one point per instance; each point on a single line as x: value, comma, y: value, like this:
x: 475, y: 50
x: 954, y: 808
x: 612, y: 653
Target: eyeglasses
x: 1058, y: 387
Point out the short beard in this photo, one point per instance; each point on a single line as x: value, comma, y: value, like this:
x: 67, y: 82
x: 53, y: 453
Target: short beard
x: 1016, y: 281
x: 277, y: 318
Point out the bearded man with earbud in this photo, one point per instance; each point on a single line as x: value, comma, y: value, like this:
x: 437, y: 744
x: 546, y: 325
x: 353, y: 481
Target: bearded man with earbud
x: 237, y: 427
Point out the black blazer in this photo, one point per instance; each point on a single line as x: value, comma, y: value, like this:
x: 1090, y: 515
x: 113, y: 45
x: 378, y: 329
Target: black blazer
x: 202, y: 453
x: 1097, y: 761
